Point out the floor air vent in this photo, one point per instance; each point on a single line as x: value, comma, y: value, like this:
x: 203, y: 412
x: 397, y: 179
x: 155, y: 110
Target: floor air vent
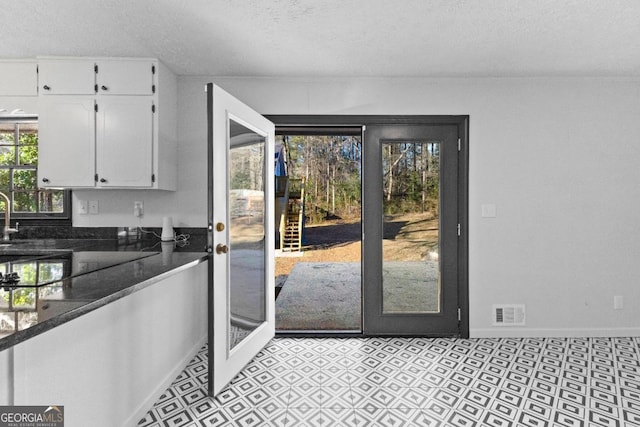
x: 508, y: 315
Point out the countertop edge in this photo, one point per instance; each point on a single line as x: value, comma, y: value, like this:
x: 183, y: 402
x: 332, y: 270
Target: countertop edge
x: 49, y: 324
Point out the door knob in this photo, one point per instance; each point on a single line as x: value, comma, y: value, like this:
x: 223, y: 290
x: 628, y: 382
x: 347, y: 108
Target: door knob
x: 221, y: 249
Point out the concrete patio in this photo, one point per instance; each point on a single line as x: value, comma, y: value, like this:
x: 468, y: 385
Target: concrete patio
x: 319, y: 296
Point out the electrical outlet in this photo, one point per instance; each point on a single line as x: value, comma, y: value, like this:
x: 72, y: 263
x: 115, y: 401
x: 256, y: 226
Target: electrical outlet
x: 138, y: 209
x: 83, y: 207
x: 93, y: 207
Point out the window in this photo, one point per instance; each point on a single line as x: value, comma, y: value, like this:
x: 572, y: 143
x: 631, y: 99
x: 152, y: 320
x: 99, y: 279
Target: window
x: 19, y: 173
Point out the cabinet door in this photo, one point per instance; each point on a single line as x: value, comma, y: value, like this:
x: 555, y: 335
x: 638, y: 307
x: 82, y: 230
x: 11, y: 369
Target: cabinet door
x: 66, y: 77
x: 18, y: 78
x: 125, y: 77
x: 124, y: 142
x: 66, y: 142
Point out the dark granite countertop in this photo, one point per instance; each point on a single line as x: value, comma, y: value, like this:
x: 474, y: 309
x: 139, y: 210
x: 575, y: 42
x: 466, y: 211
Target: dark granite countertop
x: 104, y: 275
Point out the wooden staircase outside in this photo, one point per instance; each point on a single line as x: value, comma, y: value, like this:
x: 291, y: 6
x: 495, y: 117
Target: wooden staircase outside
x: 291, y: 222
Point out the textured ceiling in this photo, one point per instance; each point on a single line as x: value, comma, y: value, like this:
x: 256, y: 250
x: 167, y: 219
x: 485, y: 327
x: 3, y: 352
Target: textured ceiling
x: 336, y: 38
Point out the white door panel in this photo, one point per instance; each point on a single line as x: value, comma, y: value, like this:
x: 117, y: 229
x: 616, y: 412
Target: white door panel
x: 241, y: 236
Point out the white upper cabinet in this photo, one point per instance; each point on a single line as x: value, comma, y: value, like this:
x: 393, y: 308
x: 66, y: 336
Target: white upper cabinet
x: 66, y: 77
x: 125, y: 77
x: 123, y: 159
x: 67, y: 161
x: 120, y: 133
x: 18, y: 78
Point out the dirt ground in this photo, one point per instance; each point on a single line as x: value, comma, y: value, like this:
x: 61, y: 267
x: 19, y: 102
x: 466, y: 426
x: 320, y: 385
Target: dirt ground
x: 406, y: 237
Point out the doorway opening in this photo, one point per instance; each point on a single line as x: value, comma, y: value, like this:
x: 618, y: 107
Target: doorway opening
x: 411, y: 274
x: 318, y: 229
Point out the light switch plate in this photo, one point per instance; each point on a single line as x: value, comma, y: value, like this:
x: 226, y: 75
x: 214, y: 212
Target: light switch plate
x: 83, y: 207
x: 138, y: 209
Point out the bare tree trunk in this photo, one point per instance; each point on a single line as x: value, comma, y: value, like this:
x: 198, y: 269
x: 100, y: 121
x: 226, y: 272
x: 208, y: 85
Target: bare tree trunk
x: 400, y: 156
x: 333, y: 190
x: 327, y: 185
x: 390, y: 179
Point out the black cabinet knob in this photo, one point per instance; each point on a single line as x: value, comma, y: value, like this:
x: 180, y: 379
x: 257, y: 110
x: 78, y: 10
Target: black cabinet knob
x: 103, y: 180
x: 46, y: 87
x: 103, y: 87
x: 45, y: 180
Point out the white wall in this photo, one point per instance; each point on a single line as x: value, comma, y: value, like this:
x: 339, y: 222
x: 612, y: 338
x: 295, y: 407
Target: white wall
x: 558, y: 157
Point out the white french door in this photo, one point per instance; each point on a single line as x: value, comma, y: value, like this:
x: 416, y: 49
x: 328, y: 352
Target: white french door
x: 241, y: 235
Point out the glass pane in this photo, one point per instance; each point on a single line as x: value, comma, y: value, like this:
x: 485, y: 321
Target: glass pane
x: 410, y: 247
x: 52, y: 201
x: 7, y: 155
x: 4, y: 180
x: 28, y: 150
x: 25, y: 179
x: 24, y: 201
x: 28, y: 133
x: 246, y: 232
x: 7, y: 133
x: 28, y: 155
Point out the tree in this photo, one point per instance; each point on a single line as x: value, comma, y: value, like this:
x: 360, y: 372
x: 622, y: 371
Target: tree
x: 330, y: 165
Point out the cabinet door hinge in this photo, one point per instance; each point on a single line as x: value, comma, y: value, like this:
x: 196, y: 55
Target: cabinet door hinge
x: 153, y: 88
x: 153, y: 69
x: 153, y: 177
x: 153, y: 108
x: 95, y: 87
x: 95, y: 107
x: 95, y: 177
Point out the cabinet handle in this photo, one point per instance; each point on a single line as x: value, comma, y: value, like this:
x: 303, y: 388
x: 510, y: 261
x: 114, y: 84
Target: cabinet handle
x: 103, y: 180
x: 45, y: 180
x: 46, y: 87
x: 103, y: 87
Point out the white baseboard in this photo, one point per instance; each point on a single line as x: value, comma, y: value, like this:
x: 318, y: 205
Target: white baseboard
x: 508, y: 332
x: 164, y: 384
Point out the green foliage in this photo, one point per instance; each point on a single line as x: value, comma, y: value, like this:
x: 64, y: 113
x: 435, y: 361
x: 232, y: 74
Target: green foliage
x: 411, y: 177
x: 20, y: 161
x: 240, y: 179
x: 330, y: 166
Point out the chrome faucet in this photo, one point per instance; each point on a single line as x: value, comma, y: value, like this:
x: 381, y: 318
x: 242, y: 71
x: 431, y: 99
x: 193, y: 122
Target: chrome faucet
x: 7, y: 218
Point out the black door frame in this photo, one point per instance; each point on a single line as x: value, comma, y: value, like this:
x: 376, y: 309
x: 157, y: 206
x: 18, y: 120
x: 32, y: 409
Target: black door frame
x: 462, y: 123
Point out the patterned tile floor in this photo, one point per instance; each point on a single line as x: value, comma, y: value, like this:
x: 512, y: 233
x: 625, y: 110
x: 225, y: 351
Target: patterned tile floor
x: 416, y: 382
